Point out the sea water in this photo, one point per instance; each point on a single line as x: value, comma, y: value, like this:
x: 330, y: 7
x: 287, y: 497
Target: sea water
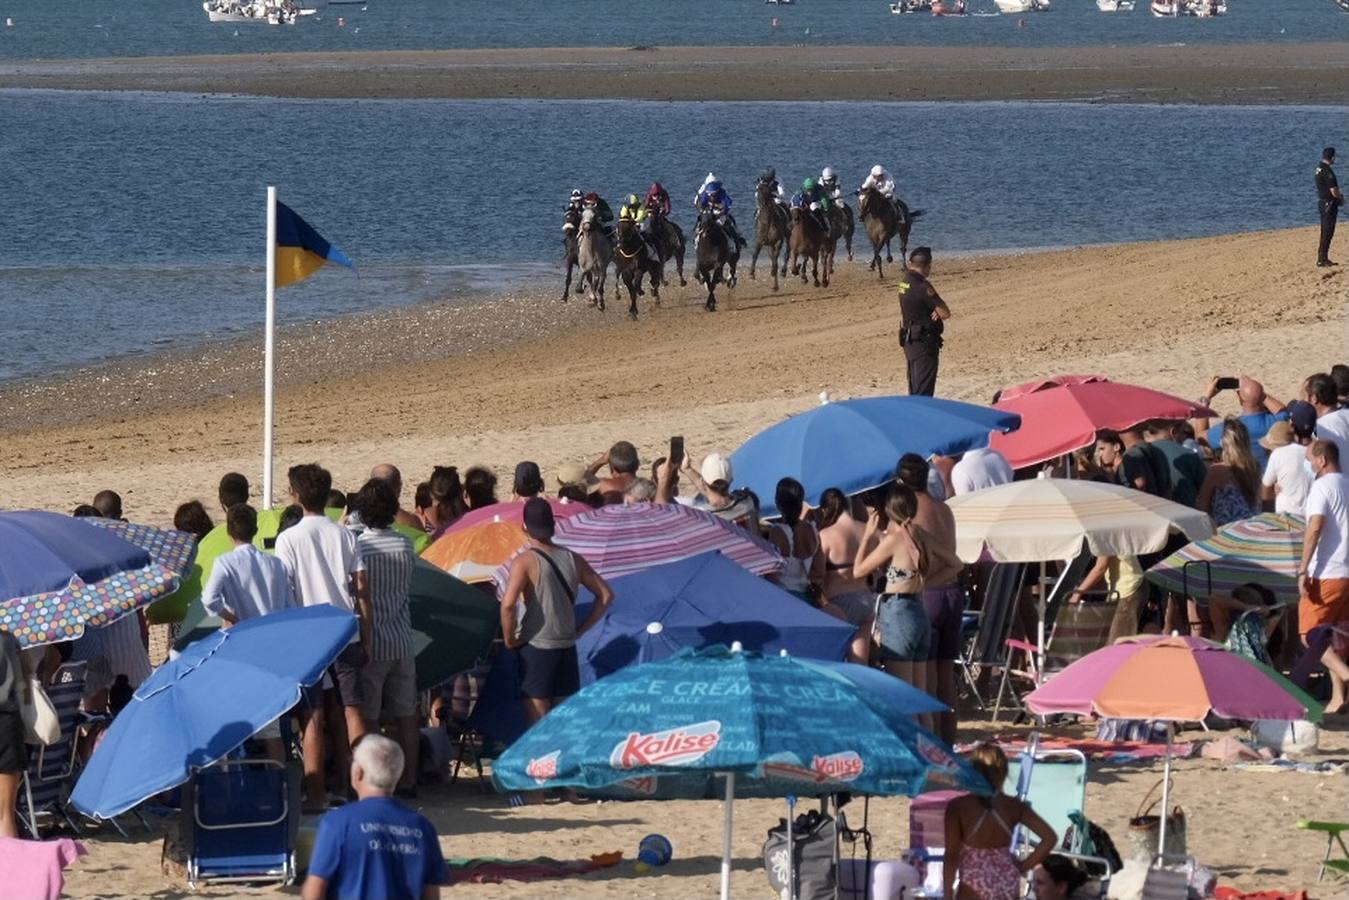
x: 136, y: 221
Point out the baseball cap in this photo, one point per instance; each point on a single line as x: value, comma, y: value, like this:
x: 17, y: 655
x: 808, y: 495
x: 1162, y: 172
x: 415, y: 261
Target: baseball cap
x: 539, y: 521
x: 528, y: 479
x: 715, y: 468
x: 1280, y: 434
x: 1302, y: 415
x: 574, y: 473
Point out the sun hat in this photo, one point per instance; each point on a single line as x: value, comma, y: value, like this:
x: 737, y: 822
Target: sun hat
x: 539, y: 521
x: 715, y: 468
x: 1280, y: 434
x: 574, y: 473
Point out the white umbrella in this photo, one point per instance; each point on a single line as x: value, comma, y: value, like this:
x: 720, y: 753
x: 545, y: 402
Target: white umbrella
x: 1049, y: 519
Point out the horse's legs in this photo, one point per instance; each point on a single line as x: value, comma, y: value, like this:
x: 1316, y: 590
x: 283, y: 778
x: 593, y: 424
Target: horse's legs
x: 888, y: 257
x: 711, y: 280
x: 656, y: 283
x: 754, y: 257
x: 679, y: 262
x: 815, y: 266
x: 566, y: 286
x: 774, y: 254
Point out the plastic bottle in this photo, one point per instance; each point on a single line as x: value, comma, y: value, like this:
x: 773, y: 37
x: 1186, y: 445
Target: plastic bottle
x: 655, y: 850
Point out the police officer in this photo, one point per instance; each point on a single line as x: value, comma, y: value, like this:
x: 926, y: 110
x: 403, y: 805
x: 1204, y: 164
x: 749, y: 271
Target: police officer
x: 1328, y: 203
x: 922, y: 313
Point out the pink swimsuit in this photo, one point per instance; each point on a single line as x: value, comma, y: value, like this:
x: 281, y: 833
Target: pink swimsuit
x: 991, y: 873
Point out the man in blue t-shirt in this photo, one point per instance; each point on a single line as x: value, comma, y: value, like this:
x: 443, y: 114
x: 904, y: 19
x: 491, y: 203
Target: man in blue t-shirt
x: 375, y: 848
x: 1259, y: 412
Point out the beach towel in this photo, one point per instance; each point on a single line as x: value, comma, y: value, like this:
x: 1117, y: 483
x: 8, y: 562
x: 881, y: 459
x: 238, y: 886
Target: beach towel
x: 35, y: 870
x: 1231, y: 893
x: 1108, y: 751
x: 495, y: 871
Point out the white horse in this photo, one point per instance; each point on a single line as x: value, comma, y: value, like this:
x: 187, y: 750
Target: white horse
x: 594, y: 251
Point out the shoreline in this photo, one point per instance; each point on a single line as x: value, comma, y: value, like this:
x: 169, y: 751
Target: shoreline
x: 1306, y: 74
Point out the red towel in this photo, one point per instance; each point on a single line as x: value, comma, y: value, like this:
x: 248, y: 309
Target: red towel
x: 495, y: 871
x: 1230, y: 893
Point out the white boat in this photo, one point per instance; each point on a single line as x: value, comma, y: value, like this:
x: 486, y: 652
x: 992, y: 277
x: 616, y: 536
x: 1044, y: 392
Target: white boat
x: 1115, y: 5
x: 779, y: 2
x: 1013, y: 7
x: 1206, y: 8
x: 955, y: 9
x: 1166, y: 7
x: 270, y: 12
x: 910, y: 6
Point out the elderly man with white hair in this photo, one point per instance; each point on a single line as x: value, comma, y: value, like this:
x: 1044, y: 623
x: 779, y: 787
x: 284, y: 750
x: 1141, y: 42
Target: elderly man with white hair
x: 375, y: 847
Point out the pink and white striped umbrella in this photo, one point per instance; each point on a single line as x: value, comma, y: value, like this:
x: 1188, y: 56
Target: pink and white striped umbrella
x: 620, y: 540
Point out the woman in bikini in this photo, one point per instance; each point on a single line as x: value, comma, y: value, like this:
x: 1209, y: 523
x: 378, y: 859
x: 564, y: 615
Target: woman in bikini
x: 845, y: 596
x: 979, y: 836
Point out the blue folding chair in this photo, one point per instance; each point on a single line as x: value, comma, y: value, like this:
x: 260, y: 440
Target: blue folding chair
x: 1054, y: 784
x: 241, y: 822
x: 51, y: 769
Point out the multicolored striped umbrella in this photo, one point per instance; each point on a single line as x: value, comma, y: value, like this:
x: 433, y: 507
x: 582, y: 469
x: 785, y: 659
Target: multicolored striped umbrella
x: 61, y: 575
x: 1263, y: 550
x: 620, y: 540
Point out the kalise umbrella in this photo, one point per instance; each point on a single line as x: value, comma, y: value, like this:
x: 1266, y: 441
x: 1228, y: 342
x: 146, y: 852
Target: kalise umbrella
x: 1264, y: 550
x: 1063, y: 418
x: 853, y: 445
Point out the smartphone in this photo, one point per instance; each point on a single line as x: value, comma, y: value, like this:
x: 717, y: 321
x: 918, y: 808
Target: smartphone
x: 269, y: 543
x: 1228, y: 384
x: 676, y: 457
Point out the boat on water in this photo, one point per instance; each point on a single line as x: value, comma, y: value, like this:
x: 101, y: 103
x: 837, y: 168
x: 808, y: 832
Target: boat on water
x: 1198, y: 8
x: 1110, y: 6
x: 1012, y: 7
x: 286, y: 12
x: 955, y: 9
x: 780, y: 2
x: 1343, y: 4
x: 900, y: 7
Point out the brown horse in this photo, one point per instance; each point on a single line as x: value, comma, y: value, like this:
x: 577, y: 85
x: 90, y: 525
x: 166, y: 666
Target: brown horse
x: 842, y: 224
x: 668, y: 239
x: 810, y: 241
x: 634, y: 259
x: 771, y: 227
x: 885, y: 219
x: 716, y: 252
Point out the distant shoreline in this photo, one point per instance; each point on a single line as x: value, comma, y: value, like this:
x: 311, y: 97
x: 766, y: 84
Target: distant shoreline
x: 1249, y: 74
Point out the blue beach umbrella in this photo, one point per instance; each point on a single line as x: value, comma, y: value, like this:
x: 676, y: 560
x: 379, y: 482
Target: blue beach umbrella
x: 197, y: 708
x: 853, y: 445
x: 772, y: 726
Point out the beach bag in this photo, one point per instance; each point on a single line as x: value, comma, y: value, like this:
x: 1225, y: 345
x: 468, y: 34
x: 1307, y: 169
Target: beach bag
x: 1289, y: 738
x: 1093, y: 841
x: 1144, y: 828
x: 40, y: 723
x: 813, y: 840
x: 1145, y: 731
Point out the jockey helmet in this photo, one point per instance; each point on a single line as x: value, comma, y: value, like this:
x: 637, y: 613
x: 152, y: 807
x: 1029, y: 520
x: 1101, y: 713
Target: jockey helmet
x: 827, y: 174
x: 877, y: 172
x: 710, y: 179
x: 576, y: 194
x: 592, y: 197
x: 656, y: 188
x: 633, y: 200
x: 808, y: 184
x: 713, y: 186
x: 768, y: 174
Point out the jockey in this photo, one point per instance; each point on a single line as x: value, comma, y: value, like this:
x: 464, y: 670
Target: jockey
x: 714, y: 199
x: 633, y: 208
x: 881, y: 181
x: 829, y: 182
x: 769, y: 176
x: 815, y: 199
x: 657, y: 200
x: 603, y: 214
x: 575, y: 202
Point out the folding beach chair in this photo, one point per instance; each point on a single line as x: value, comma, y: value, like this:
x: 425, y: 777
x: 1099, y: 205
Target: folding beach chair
x: 1334, y: 832
x: 51, y: 769
x: 1054, y: 784
x: 985, y: 652
x: 467, y: 742
x: 241, y: 820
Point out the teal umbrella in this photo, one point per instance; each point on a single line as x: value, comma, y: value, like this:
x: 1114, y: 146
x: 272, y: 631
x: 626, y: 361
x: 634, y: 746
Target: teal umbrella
x: 453, y: 624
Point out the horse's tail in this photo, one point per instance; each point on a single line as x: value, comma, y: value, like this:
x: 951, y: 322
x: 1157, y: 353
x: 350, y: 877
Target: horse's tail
x: 914, y: 213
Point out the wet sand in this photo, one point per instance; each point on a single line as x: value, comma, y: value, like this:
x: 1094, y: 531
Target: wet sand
x: 1237, y: 73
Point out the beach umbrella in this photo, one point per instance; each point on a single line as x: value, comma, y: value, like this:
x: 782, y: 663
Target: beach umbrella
x: 474, y: 554
x: 1065, y: 417
x: 853, y: 445
x: 769, y: 726
x: 622, y: 539
x: 60, y: 575
x: 514, y: 513
x: 1043, y: 519
x: 1264, y: 550
x: 453, y: 624
x: 198, y: 707
x: 1171, y: 678
x: 1044, y: 384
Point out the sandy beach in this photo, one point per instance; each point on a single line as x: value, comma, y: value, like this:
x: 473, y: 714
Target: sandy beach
x: 1236, y: 73
x: 558, y: 383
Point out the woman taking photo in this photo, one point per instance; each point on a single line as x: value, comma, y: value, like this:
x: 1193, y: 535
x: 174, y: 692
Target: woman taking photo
x: 1231, y: 489
x: 799, y: 543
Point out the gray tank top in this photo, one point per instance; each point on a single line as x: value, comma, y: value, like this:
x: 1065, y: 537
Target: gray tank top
x: 550, y: 614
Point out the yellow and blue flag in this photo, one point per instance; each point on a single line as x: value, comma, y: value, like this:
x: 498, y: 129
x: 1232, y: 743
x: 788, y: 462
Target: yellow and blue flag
x: 300, y: 250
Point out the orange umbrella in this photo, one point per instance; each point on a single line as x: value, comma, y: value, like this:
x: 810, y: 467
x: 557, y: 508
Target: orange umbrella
x: 474, y: 553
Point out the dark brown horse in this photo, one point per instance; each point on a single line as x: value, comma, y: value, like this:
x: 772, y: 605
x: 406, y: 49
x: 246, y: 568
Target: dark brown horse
x: 668, y: 239
x: 571, y: 231
x: 771, y: 226
x: 716, y: 253
x: 842, y: 224
x: 885, y: 219
x: 810, y: 242
x: 633, y: 260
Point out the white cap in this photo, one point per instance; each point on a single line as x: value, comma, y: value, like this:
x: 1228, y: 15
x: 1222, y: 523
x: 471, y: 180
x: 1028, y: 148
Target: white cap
x: 715, y: 467
x: 709, y: 179
x: 576, y: 194
x: 827, y: 174
x: 877, y: 171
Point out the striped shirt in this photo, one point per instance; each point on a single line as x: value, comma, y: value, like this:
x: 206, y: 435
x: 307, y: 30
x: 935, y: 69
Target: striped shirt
x: 389, y: 561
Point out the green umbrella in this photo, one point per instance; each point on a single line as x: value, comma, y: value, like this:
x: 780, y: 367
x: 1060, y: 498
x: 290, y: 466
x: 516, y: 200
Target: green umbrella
x: 453, y: 624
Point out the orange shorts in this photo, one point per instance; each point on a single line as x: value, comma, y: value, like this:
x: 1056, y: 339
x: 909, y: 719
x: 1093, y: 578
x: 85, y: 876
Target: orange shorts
x: 1326, y: 602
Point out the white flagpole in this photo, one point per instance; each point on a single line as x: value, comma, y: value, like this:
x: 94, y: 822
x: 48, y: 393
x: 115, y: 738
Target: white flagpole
x: 269, y: 351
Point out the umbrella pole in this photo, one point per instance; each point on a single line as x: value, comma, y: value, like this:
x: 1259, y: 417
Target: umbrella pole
x: 727, y: 827
x: 1040, y: 628
x: 1166, y: 795
x: 791, y: 849
x: 268, y: 351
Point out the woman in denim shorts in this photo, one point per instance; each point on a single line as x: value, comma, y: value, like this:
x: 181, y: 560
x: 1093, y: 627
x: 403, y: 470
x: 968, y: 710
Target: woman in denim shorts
x: 902, y: 633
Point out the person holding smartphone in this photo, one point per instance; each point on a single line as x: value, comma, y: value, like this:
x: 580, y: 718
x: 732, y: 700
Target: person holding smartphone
x: 1259, y: 412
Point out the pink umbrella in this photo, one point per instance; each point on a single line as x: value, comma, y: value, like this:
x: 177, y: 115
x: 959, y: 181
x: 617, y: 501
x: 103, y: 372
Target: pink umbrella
x: 513, y: 512
x: 1059, y: 420
x: 1042, y: 384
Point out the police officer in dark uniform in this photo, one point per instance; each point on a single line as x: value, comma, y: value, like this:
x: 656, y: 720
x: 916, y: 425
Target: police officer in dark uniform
x: 922, y: 313
x: 1328, y: 203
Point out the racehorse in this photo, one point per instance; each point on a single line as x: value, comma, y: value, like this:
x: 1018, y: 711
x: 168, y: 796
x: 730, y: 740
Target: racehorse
x: 716, y: 252
x: 669, y: 240
x: 771, y: 227
x: 842, y: 224
x: 884, y: 219
x: 633, y: 258
x: 571, y: 224
x: 810, y: 241
x: 593, y: 254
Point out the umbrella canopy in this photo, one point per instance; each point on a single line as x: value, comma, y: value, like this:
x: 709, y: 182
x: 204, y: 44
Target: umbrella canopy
x: 204, y: 703
x: 1173, y: 678
x: 783, y: 725
x: 474, y: 554
x: 1264, y: 550
x: 1044, y: 384
x: 514, y: 512
x: 699, y: 602
x: 1049, y: 518
x: 620, y: 540
x: 453, y: 624
x: 1061, y: 419
x: 853, y: 445
x: 59, y: 575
